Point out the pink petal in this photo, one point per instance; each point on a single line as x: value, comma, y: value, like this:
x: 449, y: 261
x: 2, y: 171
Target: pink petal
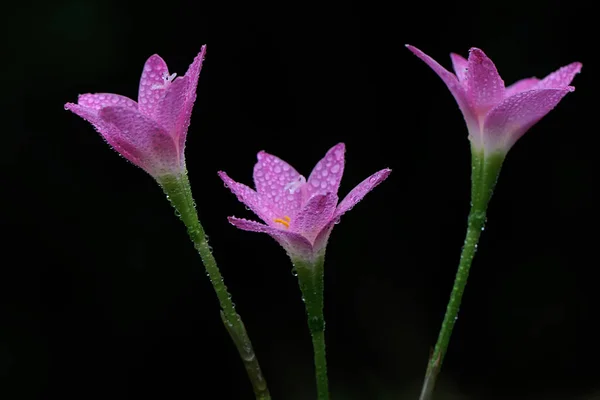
x: 109, y: 132
x: 315, y: 215
x: 360, y: 191
x: 485, y: 87
x: 322, y: 238
x: 296, y: 245
x: 193, y: 74
x: 560, y: 78
x: 152, y: 84
x: 261, y: 206
x: 279, y: 182
x: 157, y: 149
x: 327, y: 174
x: 460, y: 65
x: 508, y: 121
x: 97, y: 101
x: 455, y: 87
x: 170, y: 109
x: 520, y: 86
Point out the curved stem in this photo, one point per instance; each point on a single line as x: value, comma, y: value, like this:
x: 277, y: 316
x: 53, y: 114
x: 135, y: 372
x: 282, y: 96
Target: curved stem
x: 178, y: 191
x: 310, y: 278
x: 484, y: 174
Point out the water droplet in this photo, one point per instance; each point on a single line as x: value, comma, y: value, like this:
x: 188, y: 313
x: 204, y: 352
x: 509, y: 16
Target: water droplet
x: 277, y: 169
x: 335, y: 169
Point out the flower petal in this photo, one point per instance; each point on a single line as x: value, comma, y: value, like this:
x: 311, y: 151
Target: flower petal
x: 279, y: 182
x: 485, y: 87
x: 327, y: 174
x: 157, y: 149
x: 193, y: 74
x: 261, y: 206
x: 322, y: 238
x: 460, y: 65
x: 455, y: 87
x: 509, y: 120
x: 296, y: 245
x: 360, y: 191
x: 170, y: 109
x: 152, y: 84
x: 315, y: 215
x: 520, y: 86
x: 560, y: 78
x: 109, y: 133
x: 97, y: 101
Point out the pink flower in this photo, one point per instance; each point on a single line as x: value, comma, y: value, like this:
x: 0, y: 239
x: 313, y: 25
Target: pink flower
x: 299, y: 213
x: 497, y: 116
x: 150, y: 132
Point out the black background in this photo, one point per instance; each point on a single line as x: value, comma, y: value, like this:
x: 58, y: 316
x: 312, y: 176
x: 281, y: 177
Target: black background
x: 102, y: 296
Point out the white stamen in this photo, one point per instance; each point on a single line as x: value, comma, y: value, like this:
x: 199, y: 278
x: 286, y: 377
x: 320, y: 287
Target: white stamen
x: 295, y: 185
x: 167, y: 79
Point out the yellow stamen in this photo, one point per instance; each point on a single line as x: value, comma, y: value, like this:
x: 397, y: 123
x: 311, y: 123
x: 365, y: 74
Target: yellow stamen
x: 285, y: 221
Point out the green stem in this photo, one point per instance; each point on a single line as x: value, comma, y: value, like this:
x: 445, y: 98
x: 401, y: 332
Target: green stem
x: 179, y: 193
x: 310, y: 278
x: 484, y: 174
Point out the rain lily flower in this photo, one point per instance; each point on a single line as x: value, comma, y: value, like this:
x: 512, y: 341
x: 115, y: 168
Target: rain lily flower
x: 300, y: 214
x: 297, y: 212
x: 150, y: 132
x: 497, y: 116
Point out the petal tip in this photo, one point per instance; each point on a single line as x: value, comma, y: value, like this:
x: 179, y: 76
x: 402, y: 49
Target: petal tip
x: 224, y: 177
x: 477, y: 54
x: 413, y: 49
x: 341, y: 146
x: 155, y: 58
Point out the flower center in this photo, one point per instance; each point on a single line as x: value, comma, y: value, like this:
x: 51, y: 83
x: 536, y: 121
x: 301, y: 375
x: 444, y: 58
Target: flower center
x: 285, y: 221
